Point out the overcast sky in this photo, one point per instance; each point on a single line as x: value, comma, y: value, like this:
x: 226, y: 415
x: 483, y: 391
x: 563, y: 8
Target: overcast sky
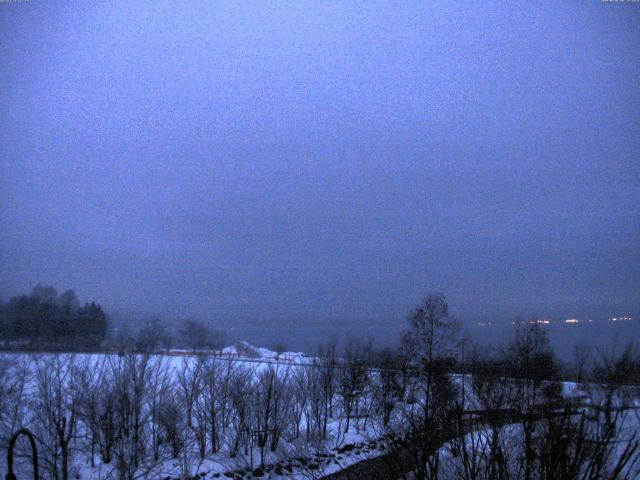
x: 323, y: 161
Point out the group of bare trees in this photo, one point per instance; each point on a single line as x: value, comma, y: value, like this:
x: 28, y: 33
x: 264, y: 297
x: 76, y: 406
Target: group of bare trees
x: 443, y: 408
x: 130, y: 414
x: 505, y: 415
x: 156, y: 336
x: 530, y: 429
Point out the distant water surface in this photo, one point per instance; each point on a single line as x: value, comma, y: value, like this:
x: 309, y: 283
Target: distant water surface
x: 601, y: 336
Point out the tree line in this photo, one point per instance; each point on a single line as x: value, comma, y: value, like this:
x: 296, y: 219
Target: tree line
x: 45, y: 318
x: 48, y: 320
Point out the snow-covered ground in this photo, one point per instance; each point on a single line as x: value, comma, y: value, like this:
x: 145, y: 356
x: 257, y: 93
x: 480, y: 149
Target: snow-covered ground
x: 242, y: 367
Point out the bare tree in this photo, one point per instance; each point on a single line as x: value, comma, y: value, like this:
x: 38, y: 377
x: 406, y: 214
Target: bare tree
x: 317, y: 410
x: 387, y: 385
x: 300, y: 396
x: 432, y: 333
x: 152, y: 336
x: 196, y: 335
x: 495, y: 392
x: 241, y: 388
x: 354, y: 377
x: 214, y: 398
x: 171, y: 419
x: 14, y: 376
x: 530, y: 360
x: 56, y: 404
x: 218, y: 379
x: 191, y: 382
x: 328, y: 362
x: 582, y: 357
x: 271, y: 406
x: 125, y: 414
x: 429, y: 348
x: 90, y: 381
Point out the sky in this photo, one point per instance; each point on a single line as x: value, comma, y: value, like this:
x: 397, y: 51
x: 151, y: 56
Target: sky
x: 323, y: 163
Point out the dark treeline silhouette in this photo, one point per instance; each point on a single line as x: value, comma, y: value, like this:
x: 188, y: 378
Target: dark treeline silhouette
x: 46, y: 319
